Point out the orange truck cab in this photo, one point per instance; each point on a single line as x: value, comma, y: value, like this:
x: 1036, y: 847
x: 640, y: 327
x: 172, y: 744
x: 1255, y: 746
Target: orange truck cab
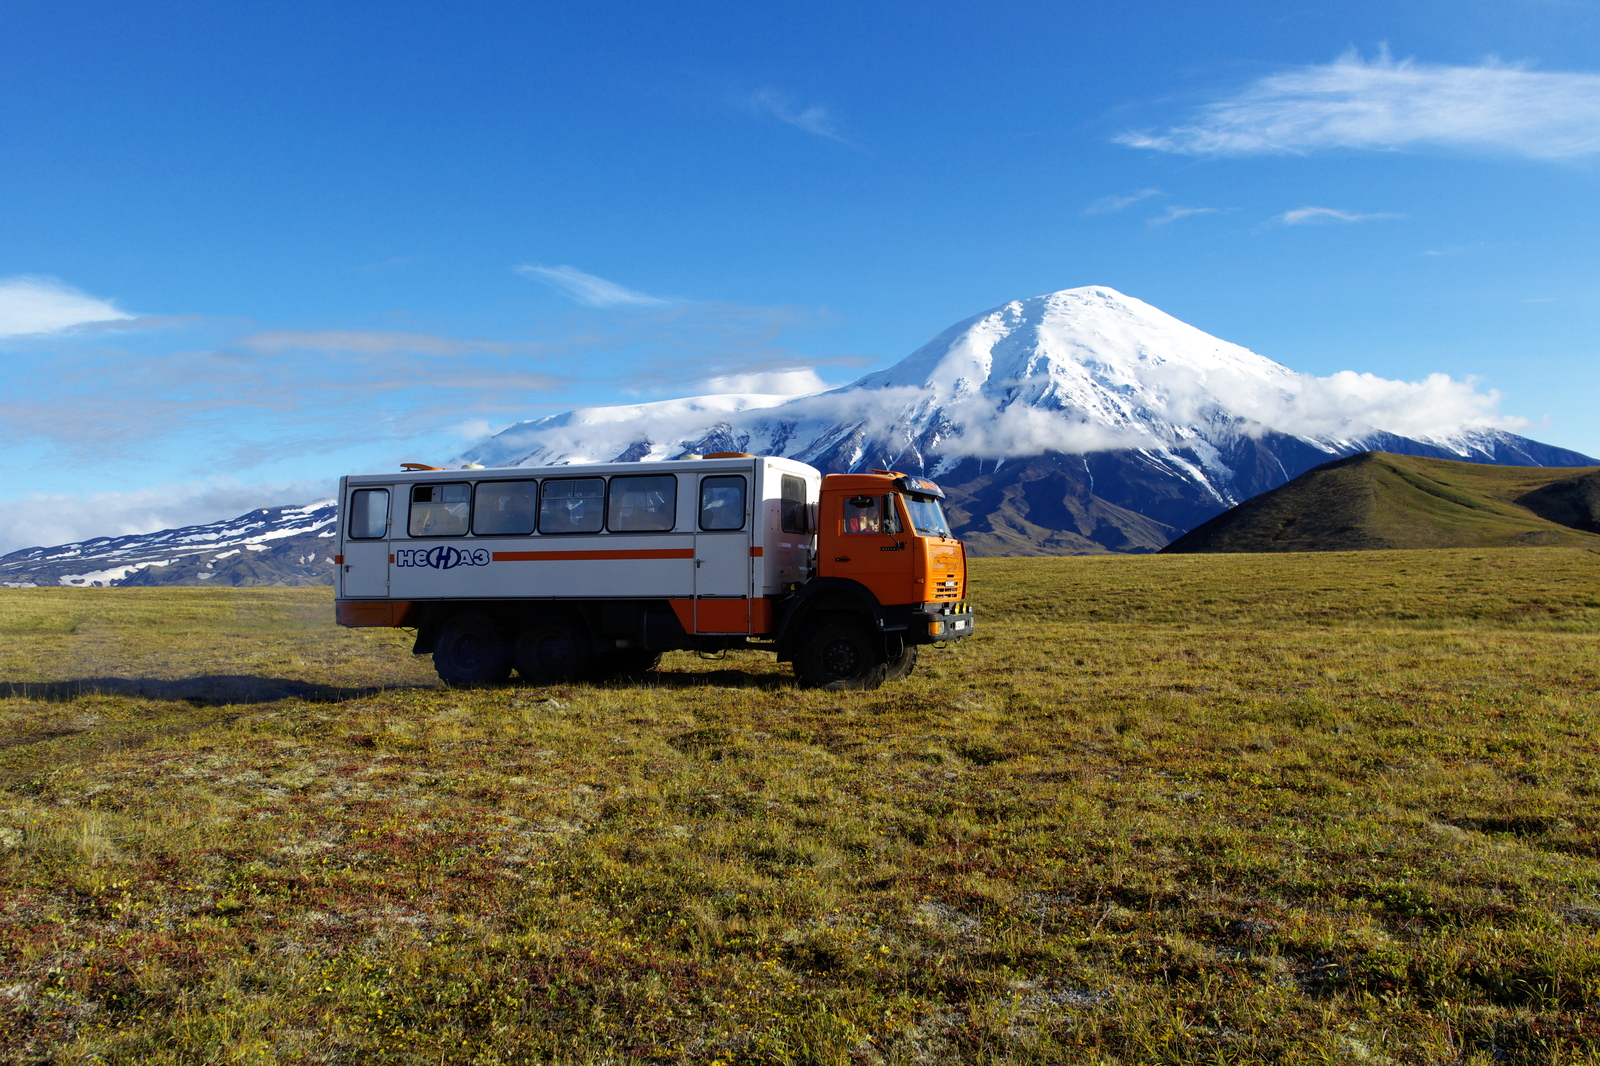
x: 884, y: 552
x: 588, y: 571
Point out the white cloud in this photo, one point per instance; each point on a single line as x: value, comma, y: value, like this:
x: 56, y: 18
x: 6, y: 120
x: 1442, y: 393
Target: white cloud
x: 1388, y: 105
x: 1108, y: 204
x: 1345, y: 402
x: 1343, y: 405
x: 62, y: 518
x: 35, y: 304
x: 367, y: 343
x: 588, y: 289
x: 1302, y: 216
x: 790, y: 381
x: 813, y: 119
x: 1175, y: 212
x: 987, y: 432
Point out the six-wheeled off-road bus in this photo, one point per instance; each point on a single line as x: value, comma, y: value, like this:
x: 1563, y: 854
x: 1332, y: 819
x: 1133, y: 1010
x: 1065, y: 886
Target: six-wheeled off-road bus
x: 573, y: 571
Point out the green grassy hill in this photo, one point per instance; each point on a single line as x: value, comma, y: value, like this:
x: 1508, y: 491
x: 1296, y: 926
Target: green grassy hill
x: 1376, y: 500
x: 1315, y: 808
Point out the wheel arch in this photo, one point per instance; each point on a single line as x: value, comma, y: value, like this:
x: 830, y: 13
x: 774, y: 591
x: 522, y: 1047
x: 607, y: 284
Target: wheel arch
x: 826, y: 596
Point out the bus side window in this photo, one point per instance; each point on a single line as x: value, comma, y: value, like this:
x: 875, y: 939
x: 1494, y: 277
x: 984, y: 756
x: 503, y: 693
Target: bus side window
x: 504, y: 508
x: 440, y: 510
x: 645, y: 503
x: 572, y: 505
x: 369, y: 514
x: 795, y: 515
x: 722, y: 503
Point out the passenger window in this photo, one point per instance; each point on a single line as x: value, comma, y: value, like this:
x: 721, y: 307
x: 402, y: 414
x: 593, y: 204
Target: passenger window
x: 643, y: 504
x: 795, y: 515
x: 862, y: 514
x: 572, y: 505
x: 440, y: 510
x: 369, y: 514
x: 722, y: 503
x: 505, y: 508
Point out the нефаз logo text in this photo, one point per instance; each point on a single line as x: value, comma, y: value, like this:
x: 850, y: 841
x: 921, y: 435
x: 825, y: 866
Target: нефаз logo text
x: 443, y: 557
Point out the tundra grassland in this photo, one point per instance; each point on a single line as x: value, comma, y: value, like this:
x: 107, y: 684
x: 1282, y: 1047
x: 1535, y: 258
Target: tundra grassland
x: 1318, y: 808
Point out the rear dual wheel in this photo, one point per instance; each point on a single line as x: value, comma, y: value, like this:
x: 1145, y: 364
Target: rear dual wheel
x: 473, y: 650
x: 552, y: 652
x: 626, y: 662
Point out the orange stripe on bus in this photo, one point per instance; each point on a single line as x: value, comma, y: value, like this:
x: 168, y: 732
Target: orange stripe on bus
x: 596, y: 555
x: 757, y: 552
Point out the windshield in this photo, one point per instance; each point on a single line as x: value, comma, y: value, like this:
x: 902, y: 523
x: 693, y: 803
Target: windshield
x: 926, y: 516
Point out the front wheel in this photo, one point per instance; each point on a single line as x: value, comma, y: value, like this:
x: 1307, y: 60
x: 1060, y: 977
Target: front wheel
x: 900, y: 666
x: 472, y: 650
x: 841, y: 653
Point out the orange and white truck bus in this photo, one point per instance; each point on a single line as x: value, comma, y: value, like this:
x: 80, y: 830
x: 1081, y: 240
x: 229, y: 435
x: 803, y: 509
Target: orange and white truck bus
x: 584, y: 571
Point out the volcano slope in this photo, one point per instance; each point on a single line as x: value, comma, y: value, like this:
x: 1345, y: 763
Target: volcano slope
x: 1327, y: 807
x: 1376, y: 500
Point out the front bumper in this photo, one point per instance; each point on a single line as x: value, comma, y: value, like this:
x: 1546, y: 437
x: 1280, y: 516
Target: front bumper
x: 943, y: 621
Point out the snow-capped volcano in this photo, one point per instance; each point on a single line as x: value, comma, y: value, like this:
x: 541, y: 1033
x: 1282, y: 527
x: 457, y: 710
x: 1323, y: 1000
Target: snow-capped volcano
x: 1112, y: 393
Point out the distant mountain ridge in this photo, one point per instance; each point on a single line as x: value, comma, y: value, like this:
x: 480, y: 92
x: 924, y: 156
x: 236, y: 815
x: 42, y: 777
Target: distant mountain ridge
x: 1378, y: 501
x: 269, y: 546
x: 1081, y: 421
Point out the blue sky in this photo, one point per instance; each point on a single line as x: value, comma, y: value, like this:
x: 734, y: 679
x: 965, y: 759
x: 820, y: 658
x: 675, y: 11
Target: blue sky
x: 246, y: 248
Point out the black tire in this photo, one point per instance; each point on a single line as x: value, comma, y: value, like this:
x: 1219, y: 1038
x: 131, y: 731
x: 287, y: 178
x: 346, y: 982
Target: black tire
x: 840, y: 653
x: 901, y: 665
x: 627, y: 662
x: 554, y: 651
x: 472, y: 650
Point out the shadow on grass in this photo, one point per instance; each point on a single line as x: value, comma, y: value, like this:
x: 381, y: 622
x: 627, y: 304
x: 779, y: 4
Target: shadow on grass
x: 206, y: 690
x: 697, y: 679
x: 220, y: 689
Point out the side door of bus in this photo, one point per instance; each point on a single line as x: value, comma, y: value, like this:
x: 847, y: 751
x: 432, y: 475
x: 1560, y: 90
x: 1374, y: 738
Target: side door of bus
x: 722, y: 553
x: 365, y: 571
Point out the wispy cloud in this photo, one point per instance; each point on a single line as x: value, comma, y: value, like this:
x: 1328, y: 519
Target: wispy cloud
x: 1303, y: 216
x: 1175, y: 212
x: 588, y: 289
x: 1108, y: 204
x: 254, y: 399
x: 369, y: 343
x: 813, y: 119
x: 35, y: 304
x: 786, y: 381
x: 1390, y: 105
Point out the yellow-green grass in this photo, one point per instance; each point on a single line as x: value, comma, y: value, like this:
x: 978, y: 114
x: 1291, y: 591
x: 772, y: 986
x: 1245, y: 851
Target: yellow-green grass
x: 1206, y: 808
